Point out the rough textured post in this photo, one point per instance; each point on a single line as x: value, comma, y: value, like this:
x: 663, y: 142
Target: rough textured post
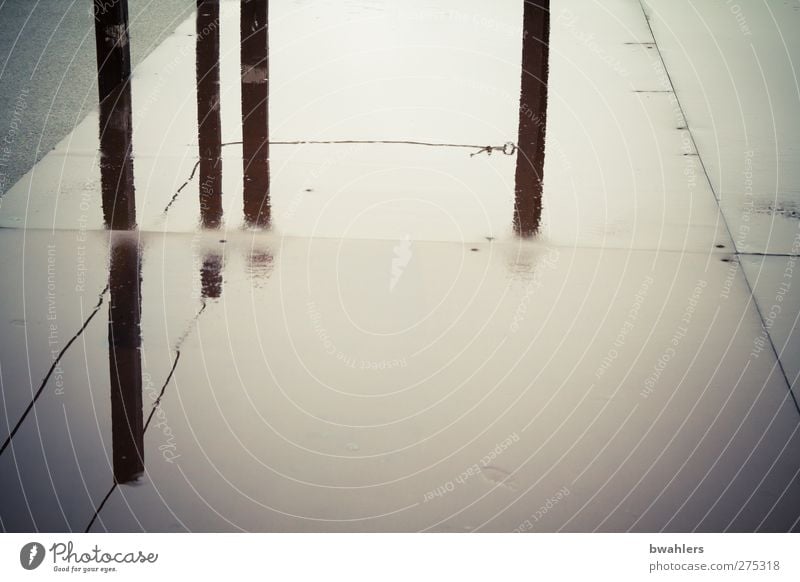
x: 113, y: 82
x: 116, y: 161
x: 532, y: 118
x: 112, y: 42
x: 209, y: 124
x: 255, y: 111
x: 125, y: 359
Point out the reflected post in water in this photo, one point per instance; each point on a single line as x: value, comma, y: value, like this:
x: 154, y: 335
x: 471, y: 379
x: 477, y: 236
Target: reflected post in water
x: 211, y: 276
x: 255, y: 111
x: 209, y: 124
x: 125, y: 359
x: 532, y: 118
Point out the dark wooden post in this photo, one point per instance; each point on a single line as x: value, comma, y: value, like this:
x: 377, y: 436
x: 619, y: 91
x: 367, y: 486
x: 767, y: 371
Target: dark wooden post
x: 209, y: 124
x: 113, y: 82
x: 255, y: 110
x: 112, y: 42
x: 532, y: 118
x: 116, y: 161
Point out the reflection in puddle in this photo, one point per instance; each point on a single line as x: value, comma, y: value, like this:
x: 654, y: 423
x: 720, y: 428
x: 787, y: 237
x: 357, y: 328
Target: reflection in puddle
x: 125, y: 359
x: 259, y: 265
x: 211, y: 276
x: 532, y: 118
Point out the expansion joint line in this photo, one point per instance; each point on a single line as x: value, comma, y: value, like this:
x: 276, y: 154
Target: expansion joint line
x: 719, y: 207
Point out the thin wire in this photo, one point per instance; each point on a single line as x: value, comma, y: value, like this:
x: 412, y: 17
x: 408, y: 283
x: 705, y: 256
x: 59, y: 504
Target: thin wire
x: 508, y: 148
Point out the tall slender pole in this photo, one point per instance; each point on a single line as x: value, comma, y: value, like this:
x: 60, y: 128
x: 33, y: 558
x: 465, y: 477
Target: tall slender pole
x: 532, y: 118
x: 209, y: 124
x: 113, y: 46
x: 113, y: 82
x: 255, y: 110
x: 116, y: 160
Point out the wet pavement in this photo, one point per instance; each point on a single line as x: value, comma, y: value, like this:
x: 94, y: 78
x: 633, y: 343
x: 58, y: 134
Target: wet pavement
x: 384, y: 280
